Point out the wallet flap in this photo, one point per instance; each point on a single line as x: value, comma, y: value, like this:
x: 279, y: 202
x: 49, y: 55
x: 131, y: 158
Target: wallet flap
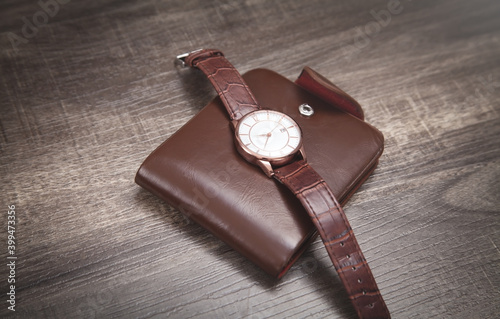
x: 322, y: 87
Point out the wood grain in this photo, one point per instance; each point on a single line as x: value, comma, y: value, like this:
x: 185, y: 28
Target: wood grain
x: 87, y: 98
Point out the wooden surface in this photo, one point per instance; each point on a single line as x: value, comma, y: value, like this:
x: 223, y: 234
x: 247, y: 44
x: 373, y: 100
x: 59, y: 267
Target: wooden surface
x: 89, y: 95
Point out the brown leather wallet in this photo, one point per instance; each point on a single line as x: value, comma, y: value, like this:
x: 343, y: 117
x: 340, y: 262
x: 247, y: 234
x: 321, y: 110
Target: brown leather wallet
x: 199, y: 171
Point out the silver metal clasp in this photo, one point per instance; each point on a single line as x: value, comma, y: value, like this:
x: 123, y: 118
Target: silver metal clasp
x: 306, y: 110
x: 181, y: 58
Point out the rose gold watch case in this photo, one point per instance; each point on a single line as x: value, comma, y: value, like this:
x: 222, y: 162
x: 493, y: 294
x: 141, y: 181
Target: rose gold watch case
x: 266, y: 163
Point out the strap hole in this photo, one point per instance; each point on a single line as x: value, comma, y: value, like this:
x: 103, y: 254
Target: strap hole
x: 353, y: 268
x: 342, y: 244
x: 359, y: 280
x: 348, y: 256
x: 371, y: 305
x: 364, y: 292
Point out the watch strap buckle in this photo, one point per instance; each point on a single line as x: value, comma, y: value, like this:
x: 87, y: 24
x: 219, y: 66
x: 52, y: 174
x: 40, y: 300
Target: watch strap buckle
x: 194, y: 57
x: 180, y: 60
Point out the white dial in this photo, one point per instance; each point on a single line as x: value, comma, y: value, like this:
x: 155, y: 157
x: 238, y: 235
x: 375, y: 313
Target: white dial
x: 269, y: 134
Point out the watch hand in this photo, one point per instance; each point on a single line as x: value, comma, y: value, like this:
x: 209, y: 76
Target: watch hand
x: 275, y: 128
x: 267, y: 139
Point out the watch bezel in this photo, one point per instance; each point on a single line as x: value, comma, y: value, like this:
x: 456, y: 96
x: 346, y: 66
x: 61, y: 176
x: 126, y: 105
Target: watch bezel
x: 258, y: 159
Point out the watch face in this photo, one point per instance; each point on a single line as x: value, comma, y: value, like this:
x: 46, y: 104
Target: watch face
x: 269, y: 134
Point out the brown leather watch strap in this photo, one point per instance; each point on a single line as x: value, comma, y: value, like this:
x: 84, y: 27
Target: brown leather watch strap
x: 337, y: 235
x: 312, y: 191
x: 228, y: 83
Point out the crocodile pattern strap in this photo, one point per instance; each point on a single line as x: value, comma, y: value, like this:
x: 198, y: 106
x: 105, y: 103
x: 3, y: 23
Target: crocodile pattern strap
x: 227, y: 81
x: 337, y: 236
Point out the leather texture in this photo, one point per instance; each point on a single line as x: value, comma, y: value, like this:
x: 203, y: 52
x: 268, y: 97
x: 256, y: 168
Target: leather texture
x: 227, y: 81
x: 337, y: 235
x: 199, y: 171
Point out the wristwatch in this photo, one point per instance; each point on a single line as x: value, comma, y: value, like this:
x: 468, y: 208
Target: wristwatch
x: 273, y: 141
